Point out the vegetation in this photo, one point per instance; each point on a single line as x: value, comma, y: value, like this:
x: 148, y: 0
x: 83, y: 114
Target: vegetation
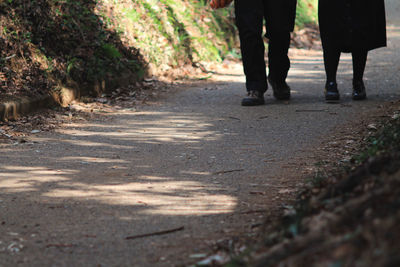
x: 306, y: 13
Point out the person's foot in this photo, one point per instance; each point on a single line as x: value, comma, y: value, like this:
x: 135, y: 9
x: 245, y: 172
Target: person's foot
x: 359, y: 92
x: 253, y: 98
x: 331, y: 92
x: 281, y: 89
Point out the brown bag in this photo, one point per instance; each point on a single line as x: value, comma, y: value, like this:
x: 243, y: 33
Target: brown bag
x: 219, y: 3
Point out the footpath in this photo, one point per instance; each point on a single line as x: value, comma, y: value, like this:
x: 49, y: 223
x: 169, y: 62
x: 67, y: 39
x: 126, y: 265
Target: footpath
x: 169, y: 182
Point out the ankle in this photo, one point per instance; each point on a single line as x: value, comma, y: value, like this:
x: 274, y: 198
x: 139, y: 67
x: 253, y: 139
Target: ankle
x: 331, y: 84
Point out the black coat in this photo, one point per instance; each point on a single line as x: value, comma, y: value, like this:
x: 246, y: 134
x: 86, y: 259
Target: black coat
x: 352, y: 24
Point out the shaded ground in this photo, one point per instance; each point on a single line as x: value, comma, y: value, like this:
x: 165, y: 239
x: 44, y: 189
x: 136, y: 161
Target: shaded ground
x: 192, y: 159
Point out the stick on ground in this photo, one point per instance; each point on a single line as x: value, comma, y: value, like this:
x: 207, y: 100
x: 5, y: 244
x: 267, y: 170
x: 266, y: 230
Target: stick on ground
x: 156, y: 233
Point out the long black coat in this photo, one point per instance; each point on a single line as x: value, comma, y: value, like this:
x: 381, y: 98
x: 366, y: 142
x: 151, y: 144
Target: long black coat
x: 352, y: 24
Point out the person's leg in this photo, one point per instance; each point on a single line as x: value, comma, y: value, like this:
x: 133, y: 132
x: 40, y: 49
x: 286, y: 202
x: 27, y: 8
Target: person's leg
x: 278, y: 15
x: 331, y: 62
x: 359, y: 63
x: 249, y: 20
x: 279, y: 64
x: 278, y: 60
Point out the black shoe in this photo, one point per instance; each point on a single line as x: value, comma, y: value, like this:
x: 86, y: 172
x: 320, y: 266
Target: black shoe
x: 359, y: 90
x: 331, y: 92
x: 281, y: 90
x: 253, y: 98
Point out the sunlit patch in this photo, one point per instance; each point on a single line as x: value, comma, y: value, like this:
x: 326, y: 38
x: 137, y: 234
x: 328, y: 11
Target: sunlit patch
x: 92, y: 160
x: 196, y: 173
x: 97, y: 144
x: 108, y: 177
x: 167, y: 197
x: 25, y: 183
x: 149, y: 127
x: 393, y: 31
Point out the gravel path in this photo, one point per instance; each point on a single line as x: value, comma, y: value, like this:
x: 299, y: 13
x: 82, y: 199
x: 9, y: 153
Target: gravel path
x: 195, y: 159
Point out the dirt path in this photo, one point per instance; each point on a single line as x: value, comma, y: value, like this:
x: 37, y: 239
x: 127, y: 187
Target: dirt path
x: 195, y: 159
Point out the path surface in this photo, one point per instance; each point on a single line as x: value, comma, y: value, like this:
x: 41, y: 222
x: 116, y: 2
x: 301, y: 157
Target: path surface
x: 196, y: 159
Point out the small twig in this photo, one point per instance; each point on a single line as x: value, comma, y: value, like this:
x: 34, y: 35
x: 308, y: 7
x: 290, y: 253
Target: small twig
x: 263, y: 117
x: 201, y: 67
x: 253, y: 211
x: 310, y: 110
x: 257, y: 193
x: 229, y: 171
x: 255, y: 225
x: 9, y: 57
x: 59, y: 245
x: 79, y: 29
x: 234, y: 118
x: 22, y: 54
x: 6, y: 135
x: 156, y: 233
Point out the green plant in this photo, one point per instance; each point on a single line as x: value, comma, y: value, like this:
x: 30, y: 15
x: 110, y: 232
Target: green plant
x: 306, y: 12
x: 110, y: 51
x: 387, y: 138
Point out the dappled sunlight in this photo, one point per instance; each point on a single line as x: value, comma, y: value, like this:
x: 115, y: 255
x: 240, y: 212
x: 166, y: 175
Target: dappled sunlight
x: 146, y: 127
x: 168, y: 197
x: 152, y: 194
x: 113, y: 169
x: 25, y: 179
x: 196, y: 173
x: 393, y: 31
x: 92, y: 160
x: 96, y: 144
x: 314, y: 65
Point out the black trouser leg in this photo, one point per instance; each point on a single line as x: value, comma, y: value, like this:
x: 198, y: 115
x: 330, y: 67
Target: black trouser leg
x: 278, y: 60
x: 331, y: 62
x: 249, y: 20
x: 359, y: 62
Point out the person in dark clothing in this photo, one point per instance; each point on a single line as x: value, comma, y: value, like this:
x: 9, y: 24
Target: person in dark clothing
x: 279, y: 18
x: 354, y: 26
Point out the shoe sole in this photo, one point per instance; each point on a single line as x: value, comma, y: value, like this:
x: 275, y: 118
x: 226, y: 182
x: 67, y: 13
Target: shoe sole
x: 359, y: 98
x: 286, y: 97
x: 246, y: 104
x: 332, y: 101
x: 249, y: 103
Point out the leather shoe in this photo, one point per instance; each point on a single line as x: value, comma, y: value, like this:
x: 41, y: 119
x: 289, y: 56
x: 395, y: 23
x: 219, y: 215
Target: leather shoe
x: 281, y: 90
x: 253, y: 98
x: 359, y: 90
x: 331, y: 92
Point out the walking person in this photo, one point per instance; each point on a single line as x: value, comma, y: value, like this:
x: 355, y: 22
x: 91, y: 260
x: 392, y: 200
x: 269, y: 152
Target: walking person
x: 279, y: 16
x: 352, y: 26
